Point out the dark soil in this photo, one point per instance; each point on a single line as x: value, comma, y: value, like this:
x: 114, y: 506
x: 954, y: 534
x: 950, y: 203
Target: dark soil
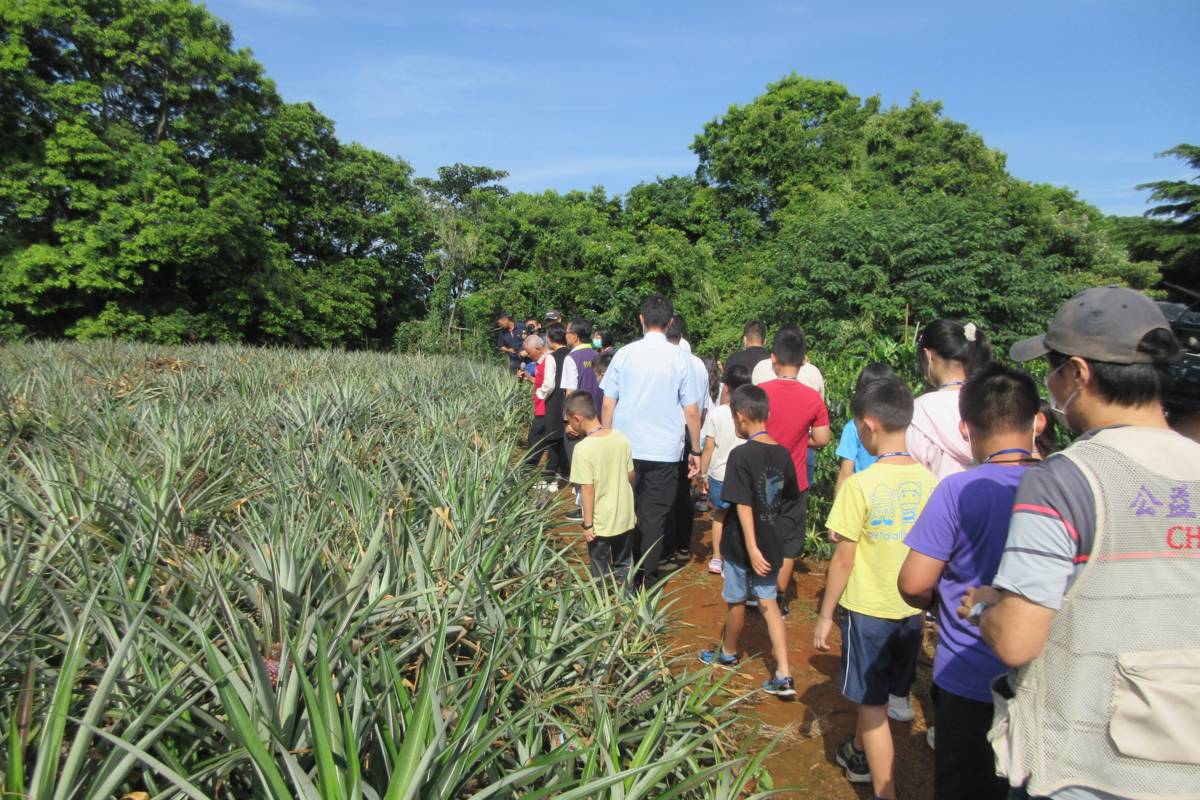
x: 819, y: 718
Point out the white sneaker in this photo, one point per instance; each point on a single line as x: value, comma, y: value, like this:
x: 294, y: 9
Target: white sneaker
x: 929, y: 738
x: 900, y: 708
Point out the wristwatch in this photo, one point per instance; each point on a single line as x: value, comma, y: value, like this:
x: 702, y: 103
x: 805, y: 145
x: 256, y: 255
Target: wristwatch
x: 588, y: 526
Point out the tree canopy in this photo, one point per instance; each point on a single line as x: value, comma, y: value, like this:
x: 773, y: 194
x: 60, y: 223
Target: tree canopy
x: 154, y: 185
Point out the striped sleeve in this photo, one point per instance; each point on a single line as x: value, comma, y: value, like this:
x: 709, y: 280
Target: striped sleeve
x: 1050, y: 535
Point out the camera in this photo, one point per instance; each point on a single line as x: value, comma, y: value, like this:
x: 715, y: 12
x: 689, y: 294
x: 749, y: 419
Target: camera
x: 1183, y: 393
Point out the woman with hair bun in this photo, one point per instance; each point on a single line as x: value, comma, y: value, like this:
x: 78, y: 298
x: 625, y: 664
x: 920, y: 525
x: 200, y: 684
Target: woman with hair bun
x: 948, y: 353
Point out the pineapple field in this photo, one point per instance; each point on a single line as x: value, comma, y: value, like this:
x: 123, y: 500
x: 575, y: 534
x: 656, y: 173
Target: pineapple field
x: 240, y: 573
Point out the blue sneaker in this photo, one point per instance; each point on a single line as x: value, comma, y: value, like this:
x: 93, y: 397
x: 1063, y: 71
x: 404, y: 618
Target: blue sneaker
x: 780, y: 687
x: 718, y: 657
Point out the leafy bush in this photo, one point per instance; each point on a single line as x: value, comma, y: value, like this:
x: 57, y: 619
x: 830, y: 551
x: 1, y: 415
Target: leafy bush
x: 239, y: 573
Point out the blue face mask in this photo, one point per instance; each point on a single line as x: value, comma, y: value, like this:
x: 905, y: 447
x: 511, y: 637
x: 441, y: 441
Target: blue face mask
x: 596, y: 344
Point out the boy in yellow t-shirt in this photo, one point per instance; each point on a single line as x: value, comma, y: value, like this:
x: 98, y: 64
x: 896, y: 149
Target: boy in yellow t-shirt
x: 881, y: 634
x: 602, y: 468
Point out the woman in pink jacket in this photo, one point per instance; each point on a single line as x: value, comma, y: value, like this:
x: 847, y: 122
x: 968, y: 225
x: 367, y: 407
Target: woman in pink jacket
x: 948, y: 353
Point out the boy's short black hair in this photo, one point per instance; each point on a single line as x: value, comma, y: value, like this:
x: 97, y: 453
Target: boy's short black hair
x: 656, y: 311
x: 556, y: 332
x: 999, y: 399
x: 581, y: 403
x: 1130, y: 385
x: 751, y: 402
x: 873, y: 372
x: 755, y: 331
x: 788, y: 346
x: 737, y: 376
x: 581, y: 328
x: 888, y: 400
x: 602, y: 361
x: 676, y: 329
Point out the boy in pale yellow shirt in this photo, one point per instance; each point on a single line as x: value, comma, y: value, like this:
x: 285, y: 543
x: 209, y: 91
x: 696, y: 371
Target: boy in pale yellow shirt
x: 602, y: 468
x: 881, y: 634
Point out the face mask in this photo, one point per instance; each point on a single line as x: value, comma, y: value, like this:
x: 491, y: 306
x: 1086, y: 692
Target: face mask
x: 1060, y: 412
x: 596, y: 344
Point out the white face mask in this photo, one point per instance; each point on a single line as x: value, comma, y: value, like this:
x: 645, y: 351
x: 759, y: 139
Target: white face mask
x: 1060, y: 412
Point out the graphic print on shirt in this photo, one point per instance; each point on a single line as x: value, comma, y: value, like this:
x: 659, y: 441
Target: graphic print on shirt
x: 770, y: 493
x: 883, y: 507
x: 909, y: 495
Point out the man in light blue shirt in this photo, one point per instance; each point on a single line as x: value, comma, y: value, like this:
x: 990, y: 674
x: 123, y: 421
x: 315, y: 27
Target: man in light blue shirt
x: 651, y: 395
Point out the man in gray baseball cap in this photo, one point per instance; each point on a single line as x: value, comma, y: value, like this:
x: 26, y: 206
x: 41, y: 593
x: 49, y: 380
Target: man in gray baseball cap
x: 1106, y: 324
x: 1096, y: 706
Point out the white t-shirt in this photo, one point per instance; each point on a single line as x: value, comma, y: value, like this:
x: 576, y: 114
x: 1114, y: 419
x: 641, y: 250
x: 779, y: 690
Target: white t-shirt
x: 718, y: 426
x: 811, y: 377
x: 700, y: 376
x: 763, y: 371
x: 808, y: 375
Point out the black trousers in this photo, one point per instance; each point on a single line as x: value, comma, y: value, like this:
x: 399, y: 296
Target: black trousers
x: 682, y: 513
x: 963, y: 765
x: 611, y: 556
x: 655, y: 486
x: 557, y: 465
x: 546, y: 439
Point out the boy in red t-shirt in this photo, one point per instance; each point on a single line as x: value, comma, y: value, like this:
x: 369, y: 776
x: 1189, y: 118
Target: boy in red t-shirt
x: 798, y: 421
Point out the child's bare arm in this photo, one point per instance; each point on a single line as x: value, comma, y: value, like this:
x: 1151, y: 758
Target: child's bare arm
x: 757, y: 563
x: 710, y: 446
x: 587, y: 494
x: 845, y: 470
x: 835, y: 583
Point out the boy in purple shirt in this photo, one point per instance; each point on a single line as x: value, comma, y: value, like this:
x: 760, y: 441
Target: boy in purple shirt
x: 957, y: 544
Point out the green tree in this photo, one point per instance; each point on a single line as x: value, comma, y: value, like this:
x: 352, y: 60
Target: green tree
x: 460, y: 200
x: 153, y: 185
x: 1170, y: 232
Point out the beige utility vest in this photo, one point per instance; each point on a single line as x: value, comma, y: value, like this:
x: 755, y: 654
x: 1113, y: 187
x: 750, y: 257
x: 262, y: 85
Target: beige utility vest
x: 1113, y: 701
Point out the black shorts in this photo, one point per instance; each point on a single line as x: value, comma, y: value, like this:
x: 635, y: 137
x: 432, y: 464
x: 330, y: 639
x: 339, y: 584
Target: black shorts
x: 793, y: 543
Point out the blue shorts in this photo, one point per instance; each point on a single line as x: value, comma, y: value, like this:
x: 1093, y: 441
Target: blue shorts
x: 879, y: 656
x: 740, y: 580
x: 714, y: 494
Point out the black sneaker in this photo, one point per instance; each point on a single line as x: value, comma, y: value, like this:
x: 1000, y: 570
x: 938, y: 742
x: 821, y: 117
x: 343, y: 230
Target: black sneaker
x: 783, y: 606
x: 854, y: 761
x: 575, y: 516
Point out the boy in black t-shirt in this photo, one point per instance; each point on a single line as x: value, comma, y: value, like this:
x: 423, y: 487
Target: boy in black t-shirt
x: 760, y: 482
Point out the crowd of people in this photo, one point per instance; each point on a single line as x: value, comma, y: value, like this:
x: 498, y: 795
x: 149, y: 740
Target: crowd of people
x: 1063, y: 584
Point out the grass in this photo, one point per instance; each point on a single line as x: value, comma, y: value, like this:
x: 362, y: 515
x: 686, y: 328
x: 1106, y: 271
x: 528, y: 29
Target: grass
x: 239, y: 573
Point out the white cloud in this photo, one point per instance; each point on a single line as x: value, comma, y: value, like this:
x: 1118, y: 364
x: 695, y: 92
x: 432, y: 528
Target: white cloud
x: 419, y: 85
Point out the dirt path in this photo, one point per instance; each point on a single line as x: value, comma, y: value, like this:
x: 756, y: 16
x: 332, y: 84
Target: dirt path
x: 819, y: 718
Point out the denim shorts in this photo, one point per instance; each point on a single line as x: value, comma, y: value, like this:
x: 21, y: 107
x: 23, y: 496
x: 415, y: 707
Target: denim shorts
x: 714, y: 494
x: 879, y: 656
x: 740, y: 580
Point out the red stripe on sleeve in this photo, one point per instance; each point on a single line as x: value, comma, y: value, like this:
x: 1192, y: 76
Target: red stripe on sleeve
x: 1046, y: 511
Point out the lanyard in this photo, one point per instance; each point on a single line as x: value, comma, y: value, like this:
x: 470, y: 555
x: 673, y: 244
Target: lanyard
x: 1010, y: 451
x: 756, y: 435
x: 896, y: 454
x: 951, y: 383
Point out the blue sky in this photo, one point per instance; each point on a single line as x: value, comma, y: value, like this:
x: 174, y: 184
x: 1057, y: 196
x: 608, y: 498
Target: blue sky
x: 572, y: 95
